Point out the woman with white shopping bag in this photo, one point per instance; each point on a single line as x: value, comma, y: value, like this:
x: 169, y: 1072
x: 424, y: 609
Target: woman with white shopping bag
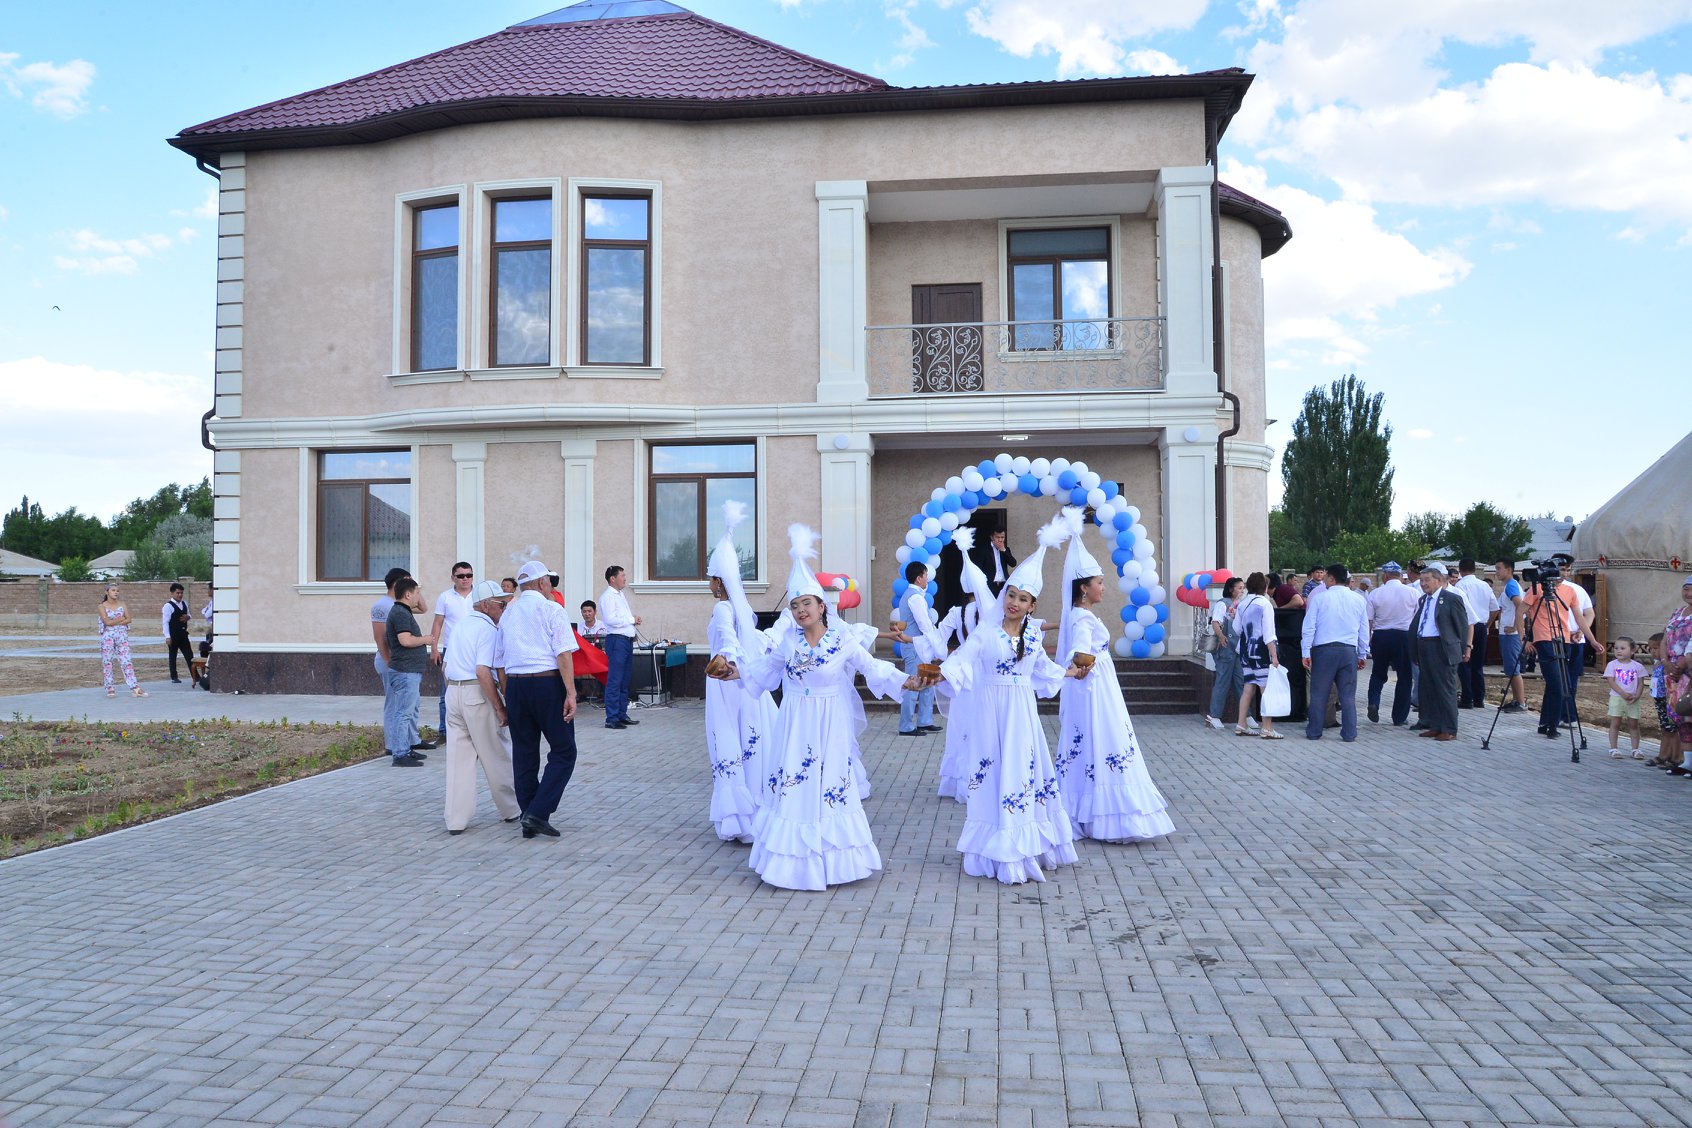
x: 1260, y: 664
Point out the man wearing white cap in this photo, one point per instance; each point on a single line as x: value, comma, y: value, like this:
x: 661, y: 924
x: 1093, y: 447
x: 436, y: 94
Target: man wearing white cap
x: 475, y: 713
x: 540, y: 697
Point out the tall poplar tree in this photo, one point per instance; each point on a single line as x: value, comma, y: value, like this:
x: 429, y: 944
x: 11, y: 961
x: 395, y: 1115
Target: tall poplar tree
x: 1337, y: 469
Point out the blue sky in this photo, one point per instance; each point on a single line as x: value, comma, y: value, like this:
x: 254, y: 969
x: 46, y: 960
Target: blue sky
x: 1491, y: 199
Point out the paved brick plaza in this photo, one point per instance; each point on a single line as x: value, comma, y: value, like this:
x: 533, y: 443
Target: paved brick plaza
x: 1388, y: 931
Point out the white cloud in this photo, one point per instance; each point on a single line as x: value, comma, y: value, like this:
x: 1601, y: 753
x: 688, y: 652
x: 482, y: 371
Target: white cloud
x: 1147, y: 61
x: 205, y: 209
x: 912, y: 36
x: 60, y: 89
x: 1420, y: 433
x: 92, y: 253
x: 1087, y: 36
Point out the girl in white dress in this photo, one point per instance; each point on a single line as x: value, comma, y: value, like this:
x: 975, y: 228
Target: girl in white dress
x: 961, y: 621
x: 810, y: 831
x: 1016, y: 822
x: 1101, y: 774
x: 737, y: 723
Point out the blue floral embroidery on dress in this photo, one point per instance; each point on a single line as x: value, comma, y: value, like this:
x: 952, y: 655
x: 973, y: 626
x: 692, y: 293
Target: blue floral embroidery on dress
x: 1116, y: 761
x: 1018, y: 801
x: 808, y: 660
x: 836, y: 795
x: 724, y: 768
x: 980, y: 775
x: 781, y: 781
x: 1046, y: 791
x: 751, y: 745
x: 1072, y: 753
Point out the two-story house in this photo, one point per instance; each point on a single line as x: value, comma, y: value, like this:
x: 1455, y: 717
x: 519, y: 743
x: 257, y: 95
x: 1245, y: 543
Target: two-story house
x: 561, y: 291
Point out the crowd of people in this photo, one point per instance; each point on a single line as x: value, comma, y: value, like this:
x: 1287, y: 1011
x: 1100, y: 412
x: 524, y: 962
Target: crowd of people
x: 113, y: 620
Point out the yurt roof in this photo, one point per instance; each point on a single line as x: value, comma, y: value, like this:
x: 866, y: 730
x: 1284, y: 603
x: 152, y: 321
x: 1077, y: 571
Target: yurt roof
x: 1649, y: 523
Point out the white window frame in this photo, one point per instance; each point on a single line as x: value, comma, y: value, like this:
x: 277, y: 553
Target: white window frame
x: 640, y: 582
x: 405, y: 203
x: 308, y: 583
x: 573, y: 367
x: 487, y: 192
x: 1114, y: 266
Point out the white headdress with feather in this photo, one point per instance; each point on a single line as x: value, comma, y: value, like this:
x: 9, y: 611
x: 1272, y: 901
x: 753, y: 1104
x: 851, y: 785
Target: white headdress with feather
x: 801, y: 540
x: 725, y: 565
x: 1078, y: 564
x: 1027, y: 575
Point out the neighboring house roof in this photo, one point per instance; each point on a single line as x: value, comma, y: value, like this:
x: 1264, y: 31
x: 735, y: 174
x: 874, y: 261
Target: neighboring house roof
x: 114, y: 561
x: 17, y: 564
x: 1272, y: 226
x: 1649, y: 521
x: 1548, y: 536
x: 637, y: 58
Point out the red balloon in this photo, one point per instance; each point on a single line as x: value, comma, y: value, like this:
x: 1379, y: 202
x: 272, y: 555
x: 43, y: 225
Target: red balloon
x: 849, y: 600
x: 1220, y: 575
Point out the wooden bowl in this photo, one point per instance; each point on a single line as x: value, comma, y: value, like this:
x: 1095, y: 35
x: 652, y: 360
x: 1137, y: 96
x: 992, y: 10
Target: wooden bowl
x: 717, y: 667
x: 899, y: 626
x: 928, y: 671
x: 1083, y: 661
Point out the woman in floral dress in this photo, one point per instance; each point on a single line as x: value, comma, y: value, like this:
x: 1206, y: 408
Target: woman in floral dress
x: 1102, y: 776
x: 1015, y: 822
x: 737, y: 723
x: 810, y: 831
x: 1677, y: 660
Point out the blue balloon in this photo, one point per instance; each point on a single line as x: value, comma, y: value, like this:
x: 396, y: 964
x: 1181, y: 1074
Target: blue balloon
x: 1127, y: 614
x: 1028, y: 484
x: 1110, y: 490
x: 919, y: 555
x: 933, y: 589
x: 1140, y: 648
x: 970, y: 500
x: 932, y: 546
x: 900, y: 586
x: 1119, y: 557
x: 1068, y: 480
x: 1154, y: 634
x: 950, y: 503
x: 933, y: 509
x: 945, y: 537
x: 1124, y: 539
x: 1162, y: 612
x: 981, y: 498
x: 1139, y: 597
x: 1121, y: 522
x: 917, y: 519
x: 986, y: 469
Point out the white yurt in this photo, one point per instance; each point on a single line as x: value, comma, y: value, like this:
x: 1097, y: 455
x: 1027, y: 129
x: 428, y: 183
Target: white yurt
x: 1640, y: 543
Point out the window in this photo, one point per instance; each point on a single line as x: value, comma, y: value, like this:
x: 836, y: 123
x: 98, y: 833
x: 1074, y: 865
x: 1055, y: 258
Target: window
x: 434, y: 288
x: 363, y: 513
x: 616, y: 279
x: 689, y: 483
x: 1061, y: 274
x: 520, y: 301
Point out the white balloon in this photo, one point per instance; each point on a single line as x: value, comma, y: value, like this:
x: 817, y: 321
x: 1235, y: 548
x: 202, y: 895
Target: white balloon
x: 903, y: 555
x: 1157, y: 649
x: 1020, y: 465
x: 954, y: 485
x: 1040, y: 467
x: 1146, y: 614
x: 1141, y: 549
x: 914, y: 538
x: 1048, y: 485
x: 1138, y: 530
x: 1132, y: 632
x: 1008, y: 483
x: 1106, y: 512
x: 948, y: 520
x: 1126, y: 584
x: 1090, y: 480
x: 930, y: 527
x: 1148, y: 574
x: 939, y: 494
x: 1095, y: 498
x: 1133, y: 512
x: 972, y: 480
x: 1080, y: 468
x: 992, y: 487
x: 1123, y: 647
x: 1059, y: 465
x: 1158, y: 595
x: 1131, y: 572
x: 1002, y: 463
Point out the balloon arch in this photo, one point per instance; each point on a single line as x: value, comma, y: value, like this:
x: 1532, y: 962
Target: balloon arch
x: 1144, y: 617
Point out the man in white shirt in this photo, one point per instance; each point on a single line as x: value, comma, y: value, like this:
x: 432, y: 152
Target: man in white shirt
x: 1483, y: 608
x: 476, y: 721
x: 1336, y: 644
x: 540, y: 697
x: 450, y: 606
x: 620, y: 633
x: 173, y: 617
x: 1391, y: 607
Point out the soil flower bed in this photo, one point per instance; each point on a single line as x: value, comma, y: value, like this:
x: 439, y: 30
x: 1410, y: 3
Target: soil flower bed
x: 61, y: 781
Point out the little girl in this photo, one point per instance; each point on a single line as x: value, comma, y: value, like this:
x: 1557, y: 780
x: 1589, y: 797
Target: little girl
x: 1626, y: 679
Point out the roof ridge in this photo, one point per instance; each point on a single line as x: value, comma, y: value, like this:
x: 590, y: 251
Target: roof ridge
x: 879, y: 83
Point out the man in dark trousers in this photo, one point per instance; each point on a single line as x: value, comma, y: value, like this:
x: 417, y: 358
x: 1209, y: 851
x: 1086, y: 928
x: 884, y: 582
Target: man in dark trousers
x: 540, y: 697
x: 1441, y: 627
x: 175, y: 622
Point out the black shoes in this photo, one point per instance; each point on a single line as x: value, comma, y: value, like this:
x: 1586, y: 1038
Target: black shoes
x: 455, y: 832
x: 911, y: 732
x: 432, y: 742
x: 626, y: 721
x: 175, y: 681
x: 409, y: 760
x: 1375, y: 714
x: 533, y: 826
x: 617, y: 725
x: 928, y: 728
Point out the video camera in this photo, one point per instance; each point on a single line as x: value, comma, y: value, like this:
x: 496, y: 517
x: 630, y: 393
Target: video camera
x: 1550, y: 570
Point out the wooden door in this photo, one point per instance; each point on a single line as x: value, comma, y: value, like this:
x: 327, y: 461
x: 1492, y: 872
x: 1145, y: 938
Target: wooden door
x: 946, y: 358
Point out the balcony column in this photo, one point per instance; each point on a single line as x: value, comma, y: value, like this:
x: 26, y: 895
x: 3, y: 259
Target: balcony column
x: 846, y: 509
x: 842, y: 290
x: 576, y: 572
x: 470, y: 462
x: 1181, y: 207
x: 1188, y: 455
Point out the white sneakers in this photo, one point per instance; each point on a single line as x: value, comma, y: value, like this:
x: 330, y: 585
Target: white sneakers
x: 1213, y: 722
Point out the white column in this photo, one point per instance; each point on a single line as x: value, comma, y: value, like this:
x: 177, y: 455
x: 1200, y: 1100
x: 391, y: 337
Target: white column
x: 1181, y: 206
x: 231, y: 283
x: 846, y: 511
x: 470, y: 462
x: 226, y: 551
x: 842, y: 290
x: 1189, y: 518
x: 576, y: 572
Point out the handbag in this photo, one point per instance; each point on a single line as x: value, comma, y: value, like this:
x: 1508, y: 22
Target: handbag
x: 1208, y: 642
x: 1682, y: 702
x: 1277, y: 693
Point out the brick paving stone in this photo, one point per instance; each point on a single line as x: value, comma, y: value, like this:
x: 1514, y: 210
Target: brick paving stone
x: 1380, y: 932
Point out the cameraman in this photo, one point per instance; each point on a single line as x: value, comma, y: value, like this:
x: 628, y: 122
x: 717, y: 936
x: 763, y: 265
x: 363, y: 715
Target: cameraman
x: 1552, y: 628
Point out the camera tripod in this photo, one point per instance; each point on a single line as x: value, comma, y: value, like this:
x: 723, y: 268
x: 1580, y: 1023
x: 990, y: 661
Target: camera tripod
x: 1558, y: 668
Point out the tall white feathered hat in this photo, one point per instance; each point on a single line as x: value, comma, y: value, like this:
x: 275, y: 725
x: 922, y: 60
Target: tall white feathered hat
x: 1027, y: 575
x: 801, y: 540
x: 725, y: 565
x: 1078, y: 564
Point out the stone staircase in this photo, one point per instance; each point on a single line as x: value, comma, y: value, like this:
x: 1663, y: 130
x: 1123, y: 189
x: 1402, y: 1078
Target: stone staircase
x: 1152, y: 687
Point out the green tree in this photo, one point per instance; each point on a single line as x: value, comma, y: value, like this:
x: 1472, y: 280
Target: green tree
x: 141, y: 516
x: 1368, y: 550
x: 28, y: 530
x: 1286, y: 548
x: 1433, y: 529
x: 75, y: 570
x: 1488, y: 534
x: 1337, y: 469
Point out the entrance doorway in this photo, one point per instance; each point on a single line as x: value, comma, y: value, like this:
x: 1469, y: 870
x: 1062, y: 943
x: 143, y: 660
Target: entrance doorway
x: 946, y: 358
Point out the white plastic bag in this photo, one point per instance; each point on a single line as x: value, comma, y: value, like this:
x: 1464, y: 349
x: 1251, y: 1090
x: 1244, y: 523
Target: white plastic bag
x: 1277, y: 693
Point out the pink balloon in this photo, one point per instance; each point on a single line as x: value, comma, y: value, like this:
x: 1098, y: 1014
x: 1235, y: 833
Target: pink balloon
x: 849, y: 600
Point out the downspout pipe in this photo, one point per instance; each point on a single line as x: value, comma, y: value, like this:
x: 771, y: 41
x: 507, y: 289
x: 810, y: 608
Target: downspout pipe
x: 205, y: 420
x: 1219, y: 359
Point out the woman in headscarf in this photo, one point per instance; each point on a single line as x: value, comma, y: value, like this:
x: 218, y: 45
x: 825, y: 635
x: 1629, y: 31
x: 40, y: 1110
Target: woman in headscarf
x: 962, y: 621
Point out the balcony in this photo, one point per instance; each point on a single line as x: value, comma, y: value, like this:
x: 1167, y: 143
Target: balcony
x: 1015, y: 357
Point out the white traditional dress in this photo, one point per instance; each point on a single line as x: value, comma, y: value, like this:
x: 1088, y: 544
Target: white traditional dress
x: 959, y: 621
x: 1015, y: 823
x: 1102, y: 776
x: 737, y: 723
x: 810, y: 831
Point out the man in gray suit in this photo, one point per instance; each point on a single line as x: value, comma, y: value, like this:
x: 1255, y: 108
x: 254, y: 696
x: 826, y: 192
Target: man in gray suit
x: 1441, y: 627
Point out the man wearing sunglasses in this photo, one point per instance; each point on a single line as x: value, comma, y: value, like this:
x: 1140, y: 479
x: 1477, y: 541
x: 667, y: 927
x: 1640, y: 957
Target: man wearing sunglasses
x: 451, y: 606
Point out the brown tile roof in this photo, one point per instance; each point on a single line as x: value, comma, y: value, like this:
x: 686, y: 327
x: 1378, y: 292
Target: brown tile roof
x: 1272, y: 226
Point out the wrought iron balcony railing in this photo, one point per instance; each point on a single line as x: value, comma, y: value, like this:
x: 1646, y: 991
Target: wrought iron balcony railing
x: 1007, y: 357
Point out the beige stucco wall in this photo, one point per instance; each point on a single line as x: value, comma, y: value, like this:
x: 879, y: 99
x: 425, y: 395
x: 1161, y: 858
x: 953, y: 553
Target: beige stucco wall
x: 1248, y: 496
x: 1242, y: 250
x: 271, y: 610
x: 523, y: 507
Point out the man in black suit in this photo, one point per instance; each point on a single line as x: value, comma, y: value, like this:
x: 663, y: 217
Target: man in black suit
x: 994, y: 560
x: 1441, y: 629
